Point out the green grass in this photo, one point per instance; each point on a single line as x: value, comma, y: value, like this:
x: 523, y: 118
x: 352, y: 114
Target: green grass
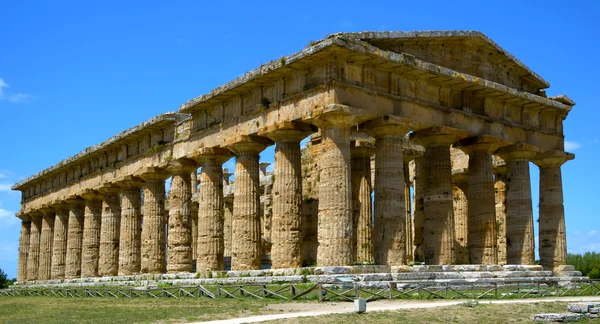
x: 139, y: 310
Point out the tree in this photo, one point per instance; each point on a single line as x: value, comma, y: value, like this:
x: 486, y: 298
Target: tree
x: 4, y: 282
x: 588, y: 263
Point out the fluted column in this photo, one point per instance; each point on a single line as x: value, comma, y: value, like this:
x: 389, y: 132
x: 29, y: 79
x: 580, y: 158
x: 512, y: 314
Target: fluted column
x: 227, y: 224
x: 180, y: 218
x: 130, y: 230
x: 74, y: 237
x: 46, y: 238
x: 286, y: 232
x: 92, y: 217
x: 408, y: 207
x: 389, y: 228
x: 481, y: 198
x: 59, y: 243
x: 153, y: 225
x: 410, y: 152
x: 553, y: 243
x: 461, y: 216
x: 419, y: 183
x: 24, y: 240
x: 246, y: 242
x: 194, y: 213
x: 362, y: 215
x: 500, y: 193
x: 519, y: 210
x: 108, y: 262
x: 34, y: 245
x: 438, y: 228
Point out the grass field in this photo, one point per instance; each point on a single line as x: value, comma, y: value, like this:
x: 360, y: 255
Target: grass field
x: 147, y: 310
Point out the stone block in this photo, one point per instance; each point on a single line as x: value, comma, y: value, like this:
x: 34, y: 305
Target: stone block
x: 557, y: 317
x: 594, y: 310
x: 402, y: 268
x: 333, y: 270
x: 360, y: 305
x: 493, y: 267
x: 376, y: 277
x: 580, y: 307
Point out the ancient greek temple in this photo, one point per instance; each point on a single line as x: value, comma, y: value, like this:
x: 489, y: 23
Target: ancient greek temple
x: 416, y: 146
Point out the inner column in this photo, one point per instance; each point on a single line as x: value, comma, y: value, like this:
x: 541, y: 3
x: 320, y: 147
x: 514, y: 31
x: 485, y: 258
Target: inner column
x: 210, y: 244
x: 130, y: 231
x: 59, y: 244
x: 75, y: 237
x: 108, y: 262
x: 362, y: 215
x: 92, y: 217
x: 153, y: 227
x: 461, y: 215
x: 246, y: 251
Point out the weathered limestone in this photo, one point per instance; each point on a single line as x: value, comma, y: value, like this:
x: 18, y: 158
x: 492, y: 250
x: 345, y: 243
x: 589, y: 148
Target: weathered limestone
x: 519, y: 211
x: 130, y: 229
x: 92, y: 217
x: 481, y: 198
x: 246, y: 239
x: 461, y: 216
x: 410, y: 151
x: 362, y: 219
x: 74, y: 237
x: 180, y: 218
x: 500, y: 194
x: 335, y: 193
x: 438, y: 229
x: 59, y: 243
x: 46, y: 238
x: 194, y: 212
x: 210, y: 248
x: 34, y: 245
x: 154, y: 259
x: 227, y: 212
x: 553, y: 243
x: 389, y: 228
x: 419, y: 184
x: 108, y: 262
x: 286, y: 233
x: 24, y: 239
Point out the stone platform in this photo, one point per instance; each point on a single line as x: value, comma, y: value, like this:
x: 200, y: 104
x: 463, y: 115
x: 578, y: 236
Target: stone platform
x: 364, y: 275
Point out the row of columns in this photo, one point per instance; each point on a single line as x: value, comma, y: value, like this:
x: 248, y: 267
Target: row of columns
x: 101, y: 233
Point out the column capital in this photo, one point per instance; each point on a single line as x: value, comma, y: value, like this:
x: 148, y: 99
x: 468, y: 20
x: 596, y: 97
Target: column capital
x: 34, y: 214
x: 59, y: 205
x: 89, y: 194
x: 460, y: 176
x: 519, y: 151
x: 74, y: 200
x: 182, y: 165
x: 287, y: 131
x: 336, y: 115
x: 153, y: 174
x: 362, y: 148
x: 247, y: 144
x: 216, y: 155
x: 438, y: 135
x: 388, y: 126
x: 411, y: 150
x: 553, y: 158
x: 109, y: 189
x: 46, y: 209
x: 130, y: 182
x: 484, y: 143
x: 23, y: 216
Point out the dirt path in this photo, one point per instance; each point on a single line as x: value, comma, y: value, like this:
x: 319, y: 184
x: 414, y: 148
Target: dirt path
x: 315, y: 309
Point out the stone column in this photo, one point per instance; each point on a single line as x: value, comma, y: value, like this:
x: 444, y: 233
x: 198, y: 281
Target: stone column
x: 210, y: 245
x: 461, y: 215
x: 500, y: 190
x: 481, y: 197
x: 335, y: 193
x: 194, y: 213
x: 438, y: 225
x: 553, y: 243
x: 59, y: 244
x: 45, y: 263
x: 286, y: 230
x: 92, y: 217
x: 75, y: 237
x: 227, y: 211
x: 419, y: 183
x: 34, y: 245
x: 153, y: 226
x: 24, y: 240
x: 180, y: 217
x: 130, y: 230
x: 519, y: 211
x: 389, y: 228
x: 362, y: 215
x: 108, y: 262
x: 246, y: 245
x: 410, y: 151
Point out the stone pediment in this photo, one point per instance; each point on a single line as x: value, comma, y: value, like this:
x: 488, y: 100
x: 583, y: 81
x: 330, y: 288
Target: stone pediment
x: 469, y: 52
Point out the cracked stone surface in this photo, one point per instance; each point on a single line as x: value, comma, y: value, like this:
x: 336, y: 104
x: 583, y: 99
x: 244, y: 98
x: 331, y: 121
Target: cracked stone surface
x: 92, y: 218
x: 180, y: 219
x: 46, y: 238
x: 153, y: 250
x: 130, y: 229
x: 108, y: 262
x: 59, y: 244
x: 75, y: 237
x: 361, y: 204
x: 24, y: 239
x: 34, y: 246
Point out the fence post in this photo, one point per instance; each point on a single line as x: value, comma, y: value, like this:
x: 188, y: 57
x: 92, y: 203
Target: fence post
x: 320, y: 292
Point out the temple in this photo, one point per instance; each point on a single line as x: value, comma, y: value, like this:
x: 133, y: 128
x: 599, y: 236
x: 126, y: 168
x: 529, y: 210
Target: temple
x: 419, y: 149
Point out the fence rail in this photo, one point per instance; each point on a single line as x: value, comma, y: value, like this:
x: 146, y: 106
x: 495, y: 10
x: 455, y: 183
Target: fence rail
x: 328, y: 291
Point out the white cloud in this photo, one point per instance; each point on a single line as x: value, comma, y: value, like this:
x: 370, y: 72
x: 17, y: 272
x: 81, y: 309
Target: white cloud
x: 592, y: 233
x: 7, y: 217
x: 13, y: 97
x: 571, y: 145
x: 5, y: 187
x: 2, y: 175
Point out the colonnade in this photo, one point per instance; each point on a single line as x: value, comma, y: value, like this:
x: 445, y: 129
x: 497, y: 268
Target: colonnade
x: 452, y: 219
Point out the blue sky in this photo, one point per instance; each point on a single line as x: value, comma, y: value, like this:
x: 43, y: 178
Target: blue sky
x: 74, y: 74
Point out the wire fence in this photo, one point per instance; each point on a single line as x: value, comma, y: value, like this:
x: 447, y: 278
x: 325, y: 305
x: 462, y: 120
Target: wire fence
x: 327, y: 291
